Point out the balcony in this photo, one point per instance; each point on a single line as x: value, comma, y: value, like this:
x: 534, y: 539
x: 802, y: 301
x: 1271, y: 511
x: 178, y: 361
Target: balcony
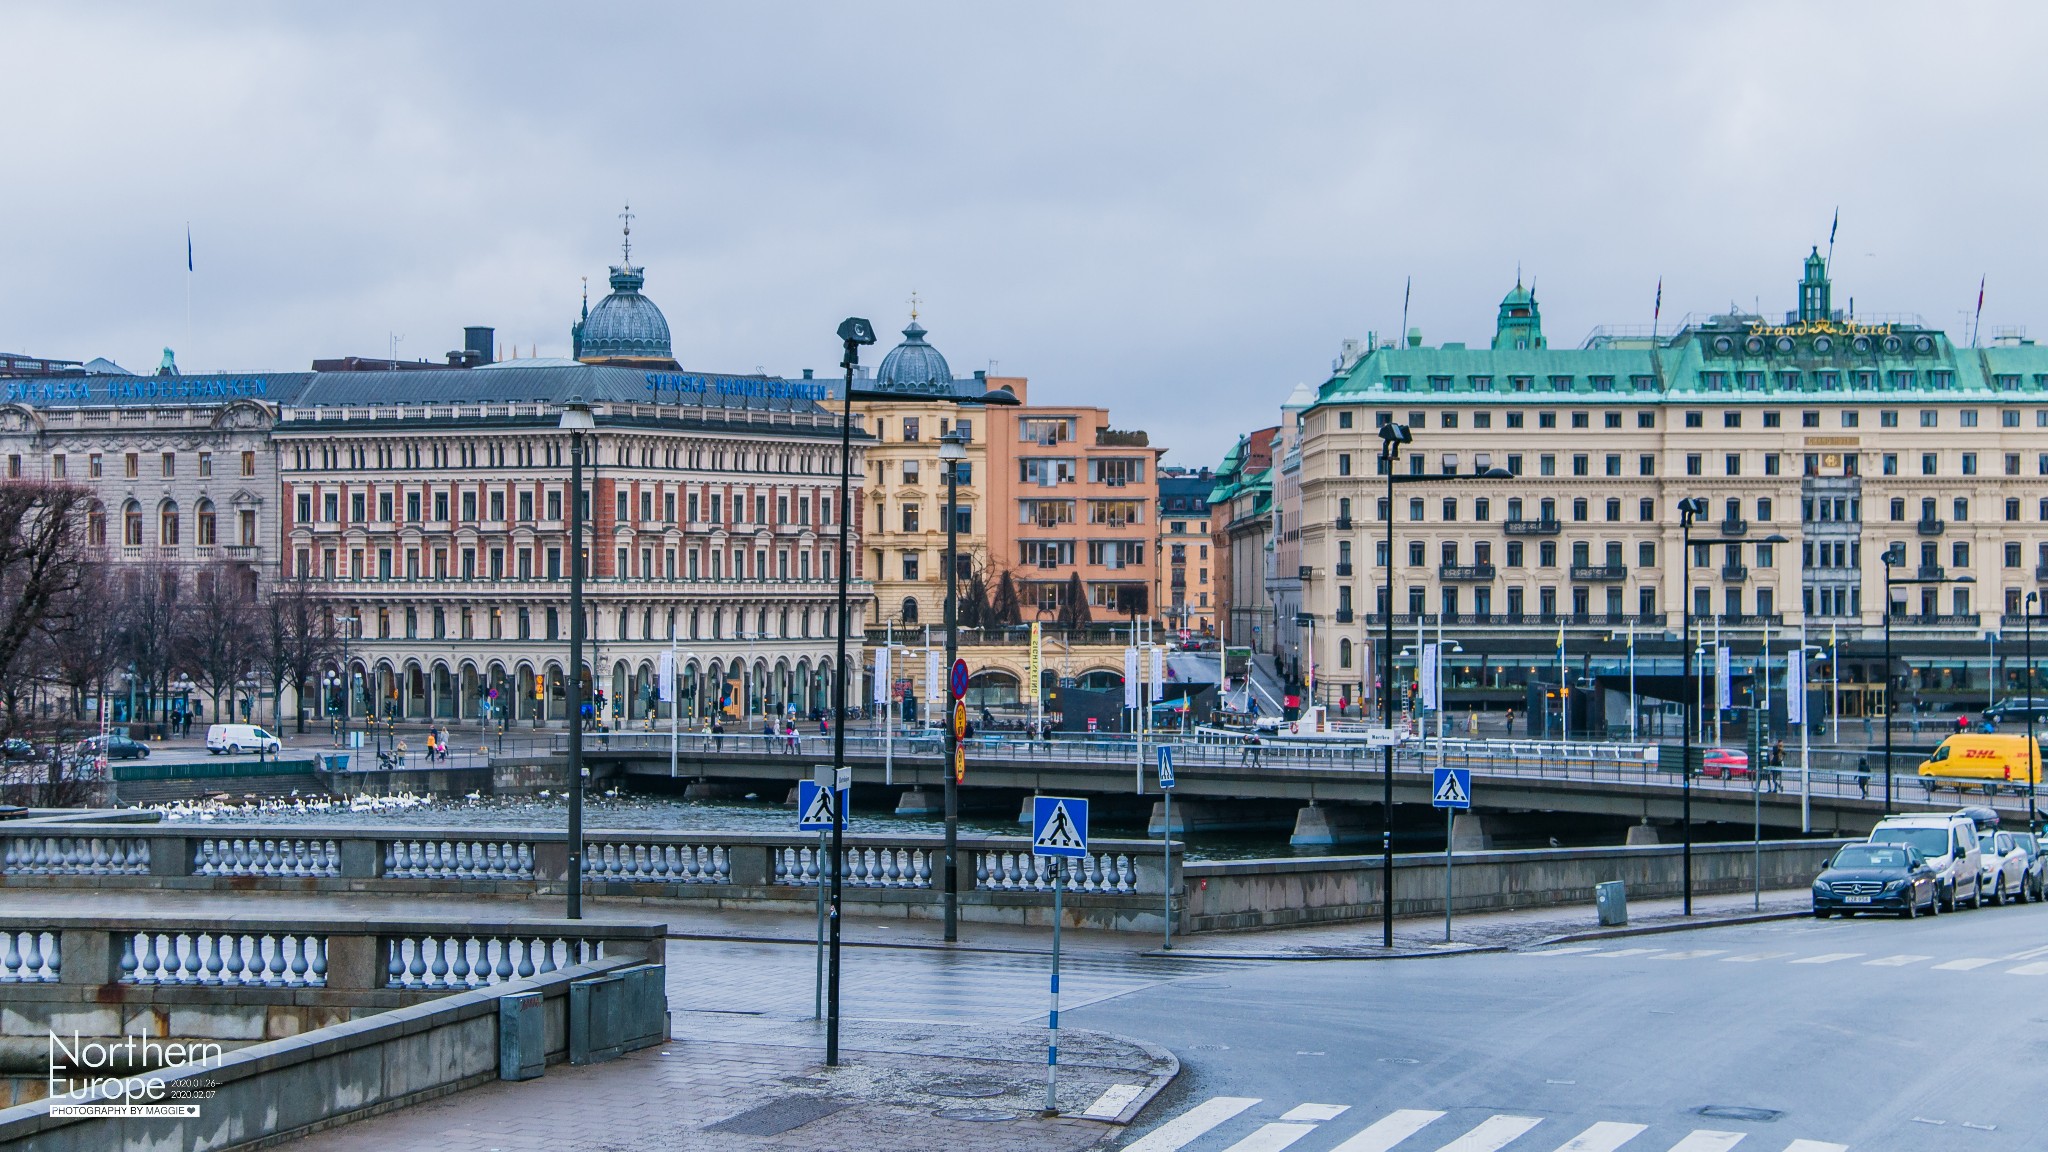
x: 1599, y: 573
x: 1931, y: 527
x: 1465, y: 571
x: 1750, y: 619
x: 1343, y: 523
x: 1734, y: 572
x: 1938, y: 619
x: 1531, y: 527
x: 1735, y: 527
x: 1930, y: 572
x: 1343, y: 567
x: 1344, y: 615
x: 244, y: 552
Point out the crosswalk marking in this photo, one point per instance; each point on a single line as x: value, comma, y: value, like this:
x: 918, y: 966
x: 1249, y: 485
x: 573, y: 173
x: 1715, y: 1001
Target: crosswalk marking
x: 1815, y: 1146
x: 1316, y: 1111
x: 1389, y: 1130
x: 1899, y: 961
x: 1492, y: 1134
x: 1605, y: 1136
x: 1753, y: 957
x: 1695, y: 954
x: 1564, y: 951
x: 1708, y: 1140
x: 1619, y: 952
x: 1827, y: 958
x: 2029, y: 954
x: 2037, y: 968
x: 1271, y: 1138
x: 1965, y: 965
x: 1111, y: 1103
x: 1182, y: 1130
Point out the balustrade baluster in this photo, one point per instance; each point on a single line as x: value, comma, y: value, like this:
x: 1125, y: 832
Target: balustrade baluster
x: 526, y: 966
x: 127, y: 958
x: 316, y: 967
x: 210, y: 947
x: 502, y: 970
x: 298, y: 964
x: 234, y: 962
x: 459, y: 969
x: 417, y: 970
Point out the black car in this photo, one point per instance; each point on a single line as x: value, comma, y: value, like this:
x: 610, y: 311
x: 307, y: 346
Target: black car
x: 2014, y: 710
x: 1876, y: 878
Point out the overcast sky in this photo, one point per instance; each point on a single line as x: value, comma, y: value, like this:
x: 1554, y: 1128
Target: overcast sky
x: 1177, y: 210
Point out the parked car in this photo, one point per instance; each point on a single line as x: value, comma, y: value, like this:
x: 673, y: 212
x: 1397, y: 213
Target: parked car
x: 234, y: 739
x: 19, y: 749
x: 113, y: 747
x: 1725, y: 763
x: 1987, y: 761
x: 2037, y: 864
x: 2004, y: 868
x: 1949, y: 842
x: 2015, y: 709
x: 1877, y: 878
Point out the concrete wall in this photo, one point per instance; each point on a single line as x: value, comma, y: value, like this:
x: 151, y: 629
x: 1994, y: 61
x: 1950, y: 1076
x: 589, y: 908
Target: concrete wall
x: 269, y: 1092
x: 1273, y: 893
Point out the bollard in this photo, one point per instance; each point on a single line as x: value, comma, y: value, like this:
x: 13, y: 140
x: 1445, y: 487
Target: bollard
x: 1610, y: 900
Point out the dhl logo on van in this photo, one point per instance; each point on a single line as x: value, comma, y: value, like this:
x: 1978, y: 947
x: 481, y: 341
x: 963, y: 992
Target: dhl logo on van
x: 1980, y: 754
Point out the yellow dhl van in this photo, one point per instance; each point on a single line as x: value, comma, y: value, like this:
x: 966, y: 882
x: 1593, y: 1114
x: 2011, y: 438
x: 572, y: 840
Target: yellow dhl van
x: 1992, y: 760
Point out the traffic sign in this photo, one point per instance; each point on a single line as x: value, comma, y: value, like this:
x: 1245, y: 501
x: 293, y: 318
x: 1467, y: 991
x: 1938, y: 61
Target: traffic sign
x: 1452, y: 788
x: 959, y: 764
x: 814, y: 807
x: 1382, y: 737
x: 1059, y: 826
x: 959, y: 679
x: 960, y: 719
x: 1166, y: 767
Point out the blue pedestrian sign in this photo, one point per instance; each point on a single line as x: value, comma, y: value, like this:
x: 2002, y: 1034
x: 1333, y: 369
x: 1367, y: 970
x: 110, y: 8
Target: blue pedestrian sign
x: 1166, y: 768
x: 1452, y: 788
x: 814, y: 807
x: 1059, y: 826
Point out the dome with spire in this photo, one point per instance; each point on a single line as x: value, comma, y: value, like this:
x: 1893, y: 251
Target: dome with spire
x: 625, y: 327
x: 1521, y: 321
x: 914, y: 366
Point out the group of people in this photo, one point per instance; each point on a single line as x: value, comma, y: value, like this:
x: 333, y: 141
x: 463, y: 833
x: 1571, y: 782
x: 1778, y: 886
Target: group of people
x: 437, y: 749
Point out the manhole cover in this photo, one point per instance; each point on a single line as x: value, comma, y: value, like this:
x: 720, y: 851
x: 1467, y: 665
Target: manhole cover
x: 967, y: 1089
x: 1737, y: 1112
x: 1399, y: 1060
x: 975, y: 1115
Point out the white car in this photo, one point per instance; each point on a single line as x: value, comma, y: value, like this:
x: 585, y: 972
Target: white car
x: 234, y: 739
x: 1949, y: 842
x: 2004, y: 868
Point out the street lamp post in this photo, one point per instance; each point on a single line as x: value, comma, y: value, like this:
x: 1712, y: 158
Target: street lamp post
x: 1392, y: 436
x: 1895, y: 556
x: 576, y: 420
x: 952, y: 450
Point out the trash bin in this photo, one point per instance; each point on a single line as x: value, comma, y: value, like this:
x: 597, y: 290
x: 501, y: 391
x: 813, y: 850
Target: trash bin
x: 1610, y: 900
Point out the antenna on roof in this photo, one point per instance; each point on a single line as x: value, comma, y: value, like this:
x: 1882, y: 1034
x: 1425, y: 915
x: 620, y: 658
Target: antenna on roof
x: 1408, y: 287
x: 627, y: 216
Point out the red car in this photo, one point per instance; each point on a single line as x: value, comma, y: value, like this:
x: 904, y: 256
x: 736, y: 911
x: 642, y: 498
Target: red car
x: 1724, y: 763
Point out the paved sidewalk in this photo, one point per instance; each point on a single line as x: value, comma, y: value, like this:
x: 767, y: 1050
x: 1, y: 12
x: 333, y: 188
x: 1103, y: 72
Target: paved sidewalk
x: 740, y: 1084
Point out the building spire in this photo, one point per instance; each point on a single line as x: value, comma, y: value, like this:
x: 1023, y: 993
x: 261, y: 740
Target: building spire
x: 627, y: 216
x: 913, y: 305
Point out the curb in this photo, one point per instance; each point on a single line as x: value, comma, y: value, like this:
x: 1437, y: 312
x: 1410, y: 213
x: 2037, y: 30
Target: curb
x: 1296, y: 957
x: 1660, y: 929
x: 1159, y: 1082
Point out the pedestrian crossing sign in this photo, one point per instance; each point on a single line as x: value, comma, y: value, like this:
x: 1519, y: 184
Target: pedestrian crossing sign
x: 814, y: 807
x: 1059, y: 826
x: 1453, y: 788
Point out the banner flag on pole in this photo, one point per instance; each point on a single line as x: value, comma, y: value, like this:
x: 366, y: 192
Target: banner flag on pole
x: 1431, y: 688
x: 668, y: 677
x: 1795, y: 688
x: 1130, y: 677
x: 1724, y: 679
x: 1158, y: 673
x: 882, y: 690
x: 1033, y: 667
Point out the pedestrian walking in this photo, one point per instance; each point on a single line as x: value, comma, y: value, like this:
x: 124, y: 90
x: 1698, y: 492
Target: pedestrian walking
x: 1777, y: 776
x: 1252, y: 752
x: 718, y: 735
x: 1863, y: 773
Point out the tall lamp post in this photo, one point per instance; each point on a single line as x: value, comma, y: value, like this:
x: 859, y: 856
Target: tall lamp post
x: 1895, y: 557
x: 1689, y: 510
x: 952, y: 450
x: 576, y: 420
x: 2033, y: 749
x: 1392, y: 437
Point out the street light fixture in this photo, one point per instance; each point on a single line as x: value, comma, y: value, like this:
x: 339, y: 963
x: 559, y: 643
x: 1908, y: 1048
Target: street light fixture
x: 1392, y: 437
x: 1895, y: 556
x: 1691, y: 509
x: 576, y: 420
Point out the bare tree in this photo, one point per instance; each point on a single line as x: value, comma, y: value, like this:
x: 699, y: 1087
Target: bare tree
x: 300, y: 637
x: 149, y: 614
x: 83, y: 636
x: 42, y: 550
x: 220, y: 631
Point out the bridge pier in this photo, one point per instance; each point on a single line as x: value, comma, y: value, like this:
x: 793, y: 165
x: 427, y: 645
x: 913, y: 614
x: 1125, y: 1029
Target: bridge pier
x: 919, y: 802
x: 1470, y: 833
x: 1320, y: 825
x: 1645, y: 833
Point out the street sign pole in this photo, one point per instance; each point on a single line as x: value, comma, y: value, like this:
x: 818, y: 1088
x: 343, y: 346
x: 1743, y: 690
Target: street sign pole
x: 1450, y: 790
x: 818, y: 990
x: 1059, y: 829
x: 1166, y: 782
x: 1450, y: 822
x: 821, y: 806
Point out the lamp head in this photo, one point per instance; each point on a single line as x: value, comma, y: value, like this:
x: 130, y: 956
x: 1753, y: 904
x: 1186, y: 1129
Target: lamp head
x: 1894, y: 556
x: 576, y: 416
x: 952, y: 445
x: 1496, y: 474
x: 1394, y: 434
x: 1964, y: 580
x: 854, y: 330
x: 1776, y: 538
x: 1692, y: 508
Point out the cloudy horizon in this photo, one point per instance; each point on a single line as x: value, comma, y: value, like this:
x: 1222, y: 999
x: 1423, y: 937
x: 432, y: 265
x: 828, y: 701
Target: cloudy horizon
x: 1177, y: 211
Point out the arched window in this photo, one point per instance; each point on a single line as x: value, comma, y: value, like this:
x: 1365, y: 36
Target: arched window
x: 1343, y: 653
x: 167, y: 524
x: 131, y: 524
x: 96, y: 525
x: 909, y: 610
x: 205, y: 537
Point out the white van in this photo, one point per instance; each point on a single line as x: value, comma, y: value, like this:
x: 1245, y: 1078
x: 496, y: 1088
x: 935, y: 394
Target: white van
x: 1949, y: 841
x: 235, y: 739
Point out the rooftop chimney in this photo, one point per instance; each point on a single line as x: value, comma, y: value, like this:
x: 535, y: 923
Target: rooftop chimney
x: 477, y: 344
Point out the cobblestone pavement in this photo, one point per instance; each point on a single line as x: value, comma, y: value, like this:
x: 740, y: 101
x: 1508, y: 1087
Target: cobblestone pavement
x: 739, y: 1084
